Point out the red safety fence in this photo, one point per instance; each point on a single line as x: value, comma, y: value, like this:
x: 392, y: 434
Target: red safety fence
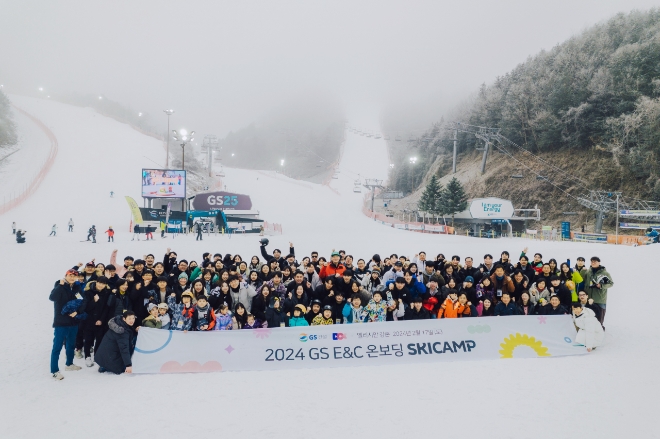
x: 408, y: 225
x: 272, y: 228
x: 32, y: 186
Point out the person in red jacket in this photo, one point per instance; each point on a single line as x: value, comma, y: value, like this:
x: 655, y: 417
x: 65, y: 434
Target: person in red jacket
x: 334, y: 268
x: 111, y: 234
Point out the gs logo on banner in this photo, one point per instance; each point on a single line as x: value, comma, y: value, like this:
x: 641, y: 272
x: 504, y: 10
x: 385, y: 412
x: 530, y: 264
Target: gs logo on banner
x: 339, y: 336
x: 313, y: 337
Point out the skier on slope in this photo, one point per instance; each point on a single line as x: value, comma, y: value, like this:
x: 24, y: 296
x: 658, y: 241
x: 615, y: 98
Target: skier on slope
x: 70, y: 224
x: 53, y: 230
x: 91, y: 233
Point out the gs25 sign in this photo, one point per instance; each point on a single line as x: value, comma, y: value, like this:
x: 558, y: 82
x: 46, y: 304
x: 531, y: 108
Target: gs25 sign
x: 222, y: 201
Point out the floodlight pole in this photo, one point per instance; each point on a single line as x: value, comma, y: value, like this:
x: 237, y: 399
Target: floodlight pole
x: 453, y: 168
x: 167, y: 158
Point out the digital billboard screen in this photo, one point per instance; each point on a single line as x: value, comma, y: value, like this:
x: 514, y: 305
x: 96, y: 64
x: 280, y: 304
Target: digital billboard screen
x: 163, y: 183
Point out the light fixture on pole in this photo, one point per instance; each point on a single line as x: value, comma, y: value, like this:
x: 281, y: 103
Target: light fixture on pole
x: 185, y: 138
x: 167, y: 158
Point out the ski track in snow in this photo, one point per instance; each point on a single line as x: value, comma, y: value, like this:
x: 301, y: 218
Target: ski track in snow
x: 609, y: 393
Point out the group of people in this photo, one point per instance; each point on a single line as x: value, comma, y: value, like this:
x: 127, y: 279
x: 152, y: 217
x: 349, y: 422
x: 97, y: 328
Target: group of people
x: 99, y: 308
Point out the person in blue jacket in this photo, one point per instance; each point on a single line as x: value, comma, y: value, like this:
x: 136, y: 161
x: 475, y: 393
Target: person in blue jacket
x: 653, y: 234
x: 298, y: 318
x: 65, y: 325
x: 352, y: 311
x: 505, y: 307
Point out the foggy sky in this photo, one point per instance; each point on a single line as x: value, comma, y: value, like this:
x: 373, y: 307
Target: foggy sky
x: 222, y: 65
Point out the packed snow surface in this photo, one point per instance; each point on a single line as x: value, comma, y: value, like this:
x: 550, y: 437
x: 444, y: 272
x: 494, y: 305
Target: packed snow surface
x: 606, y: 394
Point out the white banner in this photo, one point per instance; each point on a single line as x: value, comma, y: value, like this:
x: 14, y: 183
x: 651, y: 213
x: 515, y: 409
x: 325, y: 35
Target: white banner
x: 432, y: 228
x: 488, y: 208
x: 483, y: 338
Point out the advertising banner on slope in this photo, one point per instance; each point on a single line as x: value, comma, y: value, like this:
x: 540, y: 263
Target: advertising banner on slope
x: 160, y: 351
x: 135, y: 210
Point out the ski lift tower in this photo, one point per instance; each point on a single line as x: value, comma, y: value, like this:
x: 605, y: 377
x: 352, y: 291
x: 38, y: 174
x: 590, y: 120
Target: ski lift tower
x: 602, y: 202
x: 210, y: 144
x: 372, y: 184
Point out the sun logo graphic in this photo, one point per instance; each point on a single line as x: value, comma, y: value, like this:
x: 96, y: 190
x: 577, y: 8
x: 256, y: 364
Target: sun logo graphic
x: 513, y: 341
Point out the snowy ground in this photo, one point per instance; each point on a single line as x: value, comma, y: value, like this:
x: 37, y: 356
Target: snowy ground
x: 608, y: 393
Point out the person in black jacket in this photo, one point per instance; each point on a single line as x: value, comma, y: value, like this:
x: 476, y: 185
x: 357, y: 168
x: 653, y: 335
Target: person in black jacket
x: 277, y: 255
x: 119, y: 300
x: 505, y: 262
x: 260, y: 303
x: 470, y: 270
x: 96, y: 306
x: 520, y: 284
x: 417, y: 311
x: 169, y: 260
x: 276, y: 315
x: 505, y: 307
x: 65, y: 325
x: 337, y: 303
x: 181, y: 268
x: 562, y: 292
x: 114, y: 353
x: 143, y: 293
x: 526, y: 269
x: 553, y: 308
x: 324, y: 291
x: 586, y: 302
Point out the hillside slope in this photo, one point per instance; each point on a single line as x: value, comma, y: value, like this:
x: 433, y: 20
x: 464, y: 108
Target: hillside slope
x: 590, y: 105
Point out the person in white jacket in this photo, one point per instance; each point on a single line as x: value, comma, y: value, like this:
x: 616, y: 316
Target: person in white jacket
x: 590, y: 332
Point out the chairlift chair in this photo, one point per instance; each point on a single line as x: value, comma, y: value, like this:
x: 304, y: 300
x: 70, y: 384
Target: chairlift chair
x: 397, y: 138
x: 386, y: 137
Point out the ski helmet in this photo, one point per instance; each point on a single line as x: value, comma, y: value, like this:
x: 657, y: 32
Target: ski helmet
x: 264, y: 241
x: 327, y: 308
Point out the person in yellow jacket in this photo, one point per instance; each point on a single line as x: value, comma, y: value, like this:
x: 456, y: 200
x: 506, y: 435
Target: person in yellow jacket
x: 325, y: 318
x: 570, y: 278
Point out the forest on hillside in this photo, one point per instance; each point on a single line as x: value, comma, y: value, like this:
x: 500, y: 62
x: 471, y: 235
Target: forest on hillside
x: 7, y: 128
x: 597, y: 92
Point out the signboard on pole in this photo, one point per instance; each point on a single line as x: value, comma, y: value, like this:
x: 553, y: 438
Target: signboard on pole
x: 222, y: 201
x: 491, y: 208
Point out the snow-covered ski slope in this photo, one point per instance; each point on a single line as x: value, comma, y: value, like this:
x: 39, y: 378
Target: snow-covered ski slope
x: 607, y: 394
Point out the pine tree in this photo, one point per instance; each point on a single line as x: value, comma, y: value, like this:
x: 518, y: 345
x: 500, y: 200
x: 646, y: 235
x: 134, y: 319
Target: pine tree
x: 430, y: 196
x: 454, y: 199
